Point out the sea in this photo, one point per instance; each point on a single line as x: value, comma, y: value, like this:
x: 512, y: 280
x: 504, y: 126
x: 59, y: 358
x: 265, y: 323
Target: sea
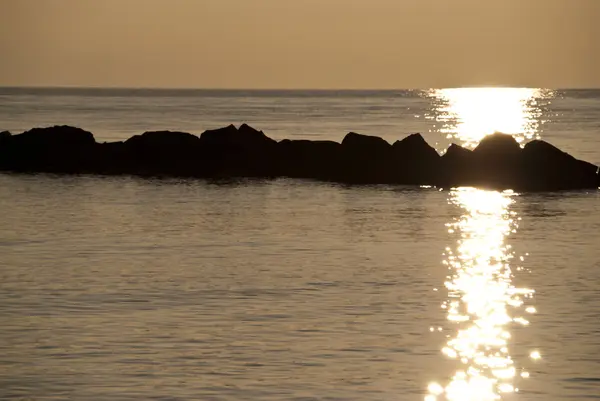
x: 128, y: 288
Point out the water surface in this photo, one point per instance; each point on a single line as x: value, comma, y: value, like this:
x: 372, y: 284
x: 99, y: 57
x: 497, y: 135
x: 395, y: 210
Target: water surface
x: 126, y: 288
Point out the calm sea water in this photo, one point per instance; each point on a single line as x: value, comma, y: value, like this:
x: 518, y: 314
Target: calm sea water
x: 124, y: 288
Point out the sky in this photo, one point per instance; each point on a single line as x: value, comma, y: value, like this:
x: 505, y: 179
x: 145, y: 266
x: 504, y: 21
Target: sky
x: 316, y: 44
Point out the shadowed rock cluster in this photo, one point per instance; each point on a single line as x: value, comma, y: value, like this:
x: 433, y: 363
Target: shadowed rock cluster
x: 497, y: 162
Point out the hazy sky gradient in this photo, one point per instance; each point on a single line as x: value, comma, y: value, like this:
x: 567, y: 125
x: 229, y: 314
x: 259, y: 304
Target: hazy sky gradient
x: 300, y: 44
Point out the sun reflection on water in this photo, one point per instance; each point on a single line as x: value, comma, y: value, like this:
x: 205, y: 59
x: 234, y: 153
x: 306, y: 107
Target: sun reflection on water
x: 469, y: 114
x: 482, y: 300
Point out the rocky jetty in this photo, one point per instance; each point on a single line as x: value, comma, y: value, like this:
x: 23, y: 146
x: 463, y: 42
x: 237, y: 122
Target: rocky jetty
x: 497, y: 162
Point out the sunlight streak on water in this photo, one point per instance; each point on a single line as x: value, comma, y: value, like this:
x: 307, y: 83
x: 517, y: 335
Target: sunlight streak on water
x: 482, y: 300
x: 469, y: 114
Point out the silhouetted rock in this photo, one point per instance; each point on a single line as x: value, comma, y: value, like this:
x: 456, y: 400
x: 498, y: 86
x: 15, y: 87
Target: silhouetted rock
x: 112, y: 158
x: 497, y: 162
x: 365, y: 159
x: 161, y: 153
x: 161, y: 139
x: 494, y: 163
x: 60, y: 149
x: 456, y: 154
x: 497, y: 146
x: 414, y: 161
x: 220, y: 135
x: 456, y: 167
x: 56, y: 136
x: 251, y: 135
x: 229, y: 152
x: 415, y: 147
x: 364, y: 144
x: 310, y: 159
x: 246, y: 137
x: 545, y: 167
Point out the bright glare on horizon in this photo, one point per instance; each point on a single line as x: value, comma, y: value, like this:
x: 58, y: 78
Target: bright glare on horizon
x: 469, y: 114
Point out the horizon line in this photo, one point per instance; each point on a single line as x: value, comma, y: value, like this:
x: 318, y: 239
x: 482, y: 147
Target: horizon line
x: 166, y: 88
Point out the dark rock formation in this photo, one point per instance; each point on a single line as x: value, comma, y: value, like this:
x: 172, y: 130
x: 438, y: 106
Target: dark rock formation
x: 365, y: 160
x: 497, y: 162
x: 321, y: 160
x: 414, y: 161
x: 60, y: 149
x: 163, y: 139
x: 159, y: 153
x: 365, y: 144
x: 545, y: 167
x: 230, y: 137
x: 497, y: 147
x: 232, y: 152
x: 4, y: 135
x: 494, y: 163
x: 56, y: 137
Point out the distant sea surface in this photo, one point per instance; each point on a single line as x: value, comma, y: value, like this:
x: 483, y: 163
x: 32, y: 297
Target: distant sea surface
x: 126, y: 288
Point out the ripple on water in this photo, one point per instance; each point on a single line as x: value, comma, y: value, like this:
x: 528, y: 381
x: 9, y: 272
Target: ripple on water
x: 100, y: 302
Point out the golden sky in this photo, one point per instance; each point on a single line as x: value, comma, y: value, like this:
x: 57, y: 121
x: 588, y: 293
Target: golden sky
x: 300, y: 44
